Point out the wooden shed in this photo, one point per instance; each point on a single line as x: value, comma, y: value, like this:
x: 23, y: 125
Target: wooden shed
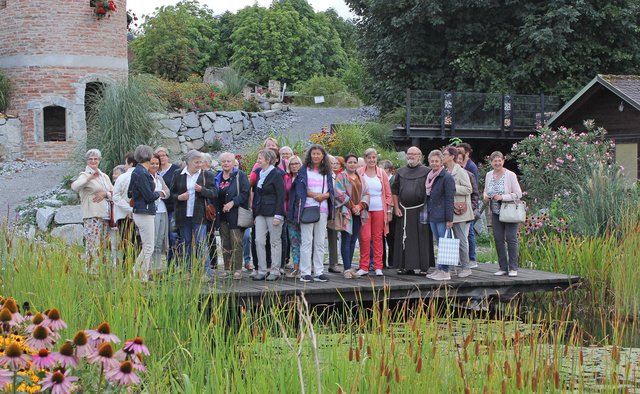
x: 613, y: 102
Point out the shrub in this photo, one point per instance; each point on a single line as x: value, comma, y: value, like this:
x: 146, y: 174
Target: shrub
x: 122, y: 121
x: 4, y: 92
x: 555, y: 164
x: 335, y: 92
x: 233, y: 82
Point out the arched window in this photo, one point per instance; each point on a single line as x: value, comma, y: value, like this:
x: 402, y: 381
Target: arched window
x: 55, y: 123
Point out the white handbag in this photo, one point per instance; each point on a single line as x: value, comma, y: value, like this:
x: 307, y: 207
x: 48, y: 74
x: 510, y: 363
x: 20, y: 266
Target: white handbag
x: 448, y: 249
x: 513, y: 211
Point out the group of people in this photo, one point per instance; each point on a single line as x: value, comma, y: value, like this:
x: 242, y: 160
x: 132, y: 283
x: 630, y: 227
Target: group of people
x: 286, y: 211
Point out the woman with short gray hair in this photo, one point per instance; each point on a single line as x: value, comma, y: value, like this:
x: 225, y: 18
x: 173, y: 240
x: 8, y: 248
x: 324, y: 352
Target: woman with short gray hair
x: 94, y: 188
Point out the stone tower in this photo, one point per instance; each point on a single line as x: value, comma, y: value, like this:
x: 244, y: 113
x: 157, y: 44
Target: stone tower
x: 55, y: 53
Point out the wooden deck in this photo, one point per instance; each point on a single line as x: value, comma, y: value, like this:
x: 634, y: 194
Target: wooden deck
x: 481, y: 284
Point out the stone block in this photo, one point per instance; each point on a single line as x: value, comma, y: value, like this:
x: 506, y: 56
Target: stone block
x: 158, y: 115
x: 211, y: 115
x: 270, y: 113
x: 209, y: 137
x: 44, y: 217
x: 226, y: 138
x: 221, y: 125
x: 166, y: 133
x: 246, y: 123
x: 172, y: 145
x: 237, y: 128
x: 68, y: 214
x: 193, y: 133
x: 276, y: 106
x: 191, y: 120
x: 181, y: 138
x: 195, y: 144
x: 206, y: 123
x: 258, y: 123
x: 265, y: 105
x: 184, y: 148
x: 52, y: 202
x: 171, y: 124
x: 71, y: 234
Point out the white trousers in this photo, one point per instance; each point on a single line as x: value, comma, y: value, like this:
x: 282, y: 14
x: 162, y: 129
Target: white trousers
x: 264, y: 224
x: 146, y: 228
x: 312, y: 246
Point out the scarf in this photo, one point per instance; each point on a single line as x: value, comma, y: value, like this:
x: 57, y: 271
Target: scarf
x: 431, y: 177
x: 263, y: 175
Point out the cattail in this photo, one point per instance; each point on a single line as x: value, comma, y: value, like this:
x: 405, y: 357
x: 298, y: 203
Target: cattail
x: 419, y: 365
x: 461, y: 369
x: 397, y: 375
x: 264, y: 336
x: 485, y: 390
x: 358, y: 354
x: 504, y: 386
x: 534, y: 383
x: 467, y: 390
x: 518, y: 379
x: 615, y: 354
x: 388, y: 375
x: 410, y: 349
x: 214, y: 319
x: 477, y: 349
x: 489, y: 370
x: 350, y: 353
x: 507, y: 369
x: 566, y: 349
x: 556, y: 379
x: 393, y: 346
x: 581, y: 358
x: 388, y: 389
x: 340, y: 390
x: 368, y: 351
x: 382, y: 369
x: 466, y: 356
x: 614, y: 378
x: 361, y: 341
x: 433, y: 351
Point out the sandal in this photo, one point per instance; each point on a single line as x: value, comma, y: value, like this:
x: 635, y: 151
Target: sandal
x: 237, y: 275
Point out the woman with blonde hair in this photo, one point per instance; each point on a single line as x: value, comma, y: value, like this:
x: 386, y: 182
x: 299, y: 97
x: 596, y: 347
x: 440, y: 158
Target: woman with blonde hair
x: 94, y: 188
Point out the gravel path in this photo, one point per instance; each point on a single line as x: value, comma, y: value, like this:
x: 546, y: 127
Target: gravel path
x: 19, y: 181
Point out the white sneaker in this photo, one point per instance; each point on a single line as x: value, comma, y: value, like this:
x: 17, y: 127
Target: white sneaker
x: 513, y: 273
x: 441, y: 276
x: 434, y: 273
x: 379, y: 273
x: 360, y: 273
x: 464, y: 273
x: 474, y: 264
x: 500, y: 273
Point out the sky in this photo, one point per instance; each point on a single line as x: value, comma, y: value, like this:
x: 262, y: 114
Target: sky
x: 146, y: 7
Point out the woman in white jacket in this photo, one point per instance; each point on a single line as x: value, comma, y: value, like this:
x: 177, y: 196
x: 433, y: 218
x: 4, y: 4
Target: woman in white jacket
x: 94, y: 188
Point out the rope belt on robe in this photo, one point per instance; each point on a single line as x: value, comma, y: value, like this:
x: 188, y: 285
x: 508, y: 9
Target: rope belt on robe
x: 404, y: 221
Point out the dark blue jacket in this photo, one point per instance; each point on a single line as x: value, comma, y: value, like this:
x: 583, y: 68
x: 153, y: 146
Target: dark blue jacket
x: 440, y: 202
x: 142, y: 190
x: 268, y: 200
x: 239, y: 198
x: 168, y: 180
x: 298, y: 195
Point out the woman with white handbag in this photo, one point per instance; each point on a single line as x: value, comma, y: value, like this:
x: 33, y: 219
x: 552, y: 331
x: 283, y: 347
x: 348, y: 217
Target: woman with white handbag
x: 501, y: 187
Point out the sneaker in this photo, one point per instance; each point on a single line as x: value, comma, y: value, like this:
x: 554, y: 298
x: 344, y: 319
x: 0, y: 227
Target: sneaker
x: 335, y: 270
x: 441, y: 276
x: 306, y: 278
x: 513, y: 273
x: 434, y: 273
x: 294, y: 273
x: 321, y: 278
x: 464, y: 273
x: 379, y: 273
x: 360, y: 273
x: 259, y: 276
x: 473, y: 264
x: 271, y: 277
x: 500, y: 273
x: 237, y: 275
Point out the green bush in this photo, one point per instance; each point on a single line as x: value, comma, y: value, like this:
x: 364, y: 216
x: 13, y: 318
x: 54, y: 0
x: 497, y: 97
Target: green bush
x: 121, y: 122
x: 233, y: 82
x: 335, y: 92
x: 4, y: 92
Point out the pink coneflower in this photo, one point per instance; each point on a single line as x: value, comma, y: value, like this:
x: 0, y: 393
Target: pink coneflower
x: 14, y: 357
x: 6, y: 378
x: 102, y: 333
x: 65, y: 356
x: 40, y: 338
x: 58, y: 382
x: 11, y: 305
x: 6, y: 318
x: 83, y: 347
x: 124, y: 354
x: 104, y: 356
x: 137, y: 346
x: 37, y: 319
x: 54, y: 322
x: 123, y: 375
x: 42, y: 360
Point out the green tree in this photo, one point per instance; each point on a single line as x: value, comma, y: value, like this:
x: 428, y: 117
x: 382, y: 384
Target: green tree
x: 177, y: 41
x: 496, y: 45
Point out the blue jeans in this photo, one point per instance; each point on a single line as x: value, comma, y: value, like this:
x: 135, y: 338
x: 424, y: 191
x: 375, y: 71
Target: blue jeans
x: 348, y: 242
x: 246, y: 246
x: 472, y: 241
x: 196, y: 234
x: 439, y: 230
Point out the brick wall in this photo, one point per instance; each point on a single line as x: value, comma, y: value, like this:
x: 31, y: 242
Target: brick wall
x: 56, y: 27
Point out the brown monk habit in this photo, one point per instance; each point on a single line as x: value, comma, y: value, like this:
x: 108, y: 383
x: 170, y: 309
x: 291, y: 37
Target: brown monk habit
x: 413, y: 246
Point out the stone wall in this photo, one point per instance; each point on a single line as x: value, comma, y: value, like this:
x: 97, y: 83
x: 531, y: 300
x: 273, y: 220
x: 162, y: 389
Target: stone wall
x: 10, y: 138
x: 180, y: 133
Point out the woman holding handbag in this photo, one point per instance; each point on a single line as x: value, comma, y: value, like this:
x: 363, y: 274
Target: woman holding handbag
x: 502, y: 185
x: 352, y: 201
x: 293, y: 227
x: 312, y: 206
x: 462, y: 210
x: 440, y: 190
x: 233, y: 194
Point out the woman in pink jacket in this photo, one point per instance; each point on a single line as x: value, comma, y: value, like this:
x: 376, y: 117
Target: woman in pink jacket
x: 380, y: 209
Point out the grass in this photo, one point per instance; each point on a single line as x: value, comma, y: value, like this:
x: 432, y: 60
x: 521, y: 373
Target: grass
x: 206, y: 344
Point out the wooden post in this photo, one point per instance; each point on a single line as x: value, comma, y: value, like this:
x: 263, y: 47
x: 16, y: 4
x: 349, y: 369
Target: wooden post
x: 408, y: 112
